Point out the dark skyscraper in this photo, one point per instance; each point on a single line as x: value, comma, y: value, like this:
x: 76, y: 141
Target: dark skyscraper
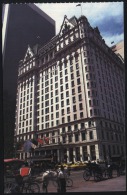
x: 22, y: 25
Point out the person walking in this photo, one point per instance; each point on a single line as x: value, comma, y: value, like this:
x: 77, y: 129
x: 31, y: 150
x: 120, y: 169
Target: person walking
x: 61, y: 180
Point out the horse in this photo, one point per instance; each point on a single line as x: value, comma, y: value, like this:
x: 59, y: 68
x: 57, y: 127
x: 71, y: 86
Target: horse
x: 47, y: 176
x: 52, y: 175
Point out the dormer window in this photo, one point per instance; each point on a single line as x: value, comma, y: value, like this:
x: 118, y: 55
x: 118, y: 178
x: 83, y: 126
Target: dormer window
x: 27, y: 57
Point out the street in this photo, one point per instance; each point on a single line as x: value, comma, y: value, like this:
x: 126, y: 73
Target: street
x: 80, y: 185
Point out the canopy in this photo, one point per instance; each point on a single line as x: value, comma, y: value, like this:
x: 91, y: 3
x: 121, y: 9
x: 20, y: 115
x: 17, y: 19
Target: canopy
x: 12, y: 159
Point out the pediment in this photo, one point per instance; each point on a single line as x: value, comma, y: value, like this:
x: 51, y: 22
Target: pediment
x: 66, y: 26
x: 28, y: 54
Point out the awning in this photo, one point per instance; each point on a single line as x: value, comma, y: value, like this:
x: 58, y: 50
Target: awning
x: 12, y: 160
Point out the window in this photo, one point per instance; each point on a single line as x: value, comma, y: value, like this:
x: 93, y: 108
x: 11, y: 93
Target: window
x: 71, y: 69
x: 56, y: 92
x: 67, y: 86
x: 67, y: 94
x: 72, y: 83
x: 70, y: 138
x: 67, y: 101
x: 91, y: 134
x: 63, y: 120
x: 66, y: 78
x: 77, y: 66
x: 65, y: 71
x: 57, y: 122
x: 91, y: 113
x: 74, y: 108
x: 63, y: 130
x: 57, y: 99
x: 61, y: 88
x: 76, y: 137
x: 62, y: 96
x: 81, y: 114
x: 69, y: 128
x: 51, y: 108
x: 61, y: 81
x: 75, y: 116
x: 57, y: 106
x: 72, y: 76
x: 79, y: 89
x: 80, y: 106
x: 68, y: 118
x: 73, y: 99
x: 88, y: 85
x: 62, y: 111
x: 56, y: 85
x: 73, y: 91
x: 83, y: 136
x: 62, y: 104
x: 77, y: 73
x: 80, y: 97
x: 78, y: 81
x: 68, y: 110
x: 61, y: 74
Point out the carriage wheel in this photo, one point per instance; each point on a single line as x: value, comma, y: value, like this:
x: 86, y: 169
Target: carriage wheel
x: 86, y: 175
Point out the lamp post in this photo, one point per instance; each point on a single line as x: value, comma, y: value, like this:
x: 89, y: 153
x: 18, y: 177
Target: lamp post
x: 61, y: 147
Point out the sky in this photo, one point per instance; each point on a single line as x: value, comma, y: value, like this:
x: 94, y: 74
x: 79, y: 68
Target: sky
x: 108, y: 17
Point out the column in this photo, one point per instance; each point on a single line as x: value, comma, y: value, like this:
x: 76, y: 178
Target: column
x: 58, y: 155
x: 23, y: 155
x: 88, y: 152
x: 20, y: 157
x: 81, y: 153
x: 97, y: 151
x: 74, y: 154
x: 80, y: 136
x: 67, y: 139
x: 73, y: 138
x: 68, y: 155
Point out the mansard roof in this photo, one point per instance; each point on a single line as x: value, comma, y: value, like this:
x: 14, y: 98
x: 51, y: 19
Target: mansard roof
x: 48, y: 46
x: 67, y: 25
x: 29, y: 54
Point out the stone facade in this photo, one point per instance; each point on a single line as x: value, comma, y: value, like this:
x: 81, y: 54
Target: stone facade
x: 71, y: 91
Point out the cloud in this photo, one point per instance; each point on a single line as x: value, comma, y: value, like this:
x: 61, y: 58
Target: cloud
x: 107, y: 16
x: 111, y: 26
x: 116, y: 38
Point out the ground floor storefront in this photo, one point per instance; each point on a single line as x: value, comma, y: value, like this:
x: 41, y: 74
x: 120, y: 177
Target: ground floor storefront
x: 69, y: 153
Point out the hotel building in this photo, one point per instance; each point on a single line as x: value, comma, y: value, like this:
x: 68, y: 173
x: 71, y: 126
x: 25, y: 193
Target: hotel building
x: 71, y: 91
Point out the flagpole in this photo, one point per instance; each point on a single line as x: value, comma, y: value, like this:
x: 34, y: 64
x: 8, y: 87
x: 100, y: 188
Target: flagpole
x: 81, y: 8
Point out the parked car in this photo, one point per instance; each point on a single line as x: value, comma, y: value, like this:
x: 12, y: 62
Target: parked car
x: 75, y: 166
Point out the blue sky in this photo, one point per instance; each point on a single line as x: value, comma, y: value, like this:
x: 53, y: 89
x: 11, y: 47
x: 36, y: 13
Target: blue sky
x: 109, y: 17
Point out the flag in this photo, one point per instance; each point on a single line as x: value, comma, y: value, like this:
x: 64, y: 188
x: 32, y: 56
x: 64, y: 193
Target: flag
x: 78, y: 5
x: 46, y: 140
x: 40, y: 141
x: 27, y: 146
x: 33, y: 146
x: 35, y: 142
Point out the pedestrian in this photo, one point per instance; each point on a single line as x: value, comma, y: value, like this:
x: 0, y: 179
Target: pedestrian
x: 61, y: 180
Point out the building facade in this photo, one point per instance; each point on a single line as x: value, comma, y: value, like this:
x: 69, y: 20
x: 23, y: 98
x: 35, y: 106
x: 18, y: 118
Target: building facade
x: 119, y: 49
x: 22, y: 24
x: 71, y: 94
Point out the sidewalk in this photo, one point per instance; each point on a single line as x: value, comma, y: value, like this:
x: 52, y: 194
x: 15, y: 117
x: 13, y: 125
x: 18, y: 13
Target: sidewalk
x: 117, y: 184
x: 114, y: 184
